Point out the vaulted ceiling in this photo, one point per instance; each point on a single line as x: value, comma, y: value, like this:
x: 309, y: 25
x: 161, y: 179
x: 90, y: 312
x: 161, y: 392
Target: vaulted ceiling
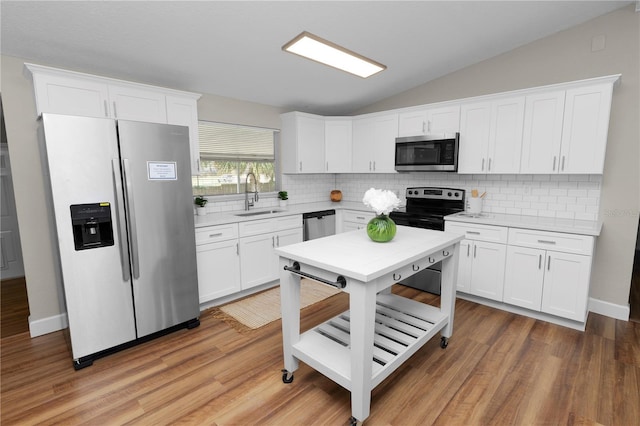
x: 233, y: 48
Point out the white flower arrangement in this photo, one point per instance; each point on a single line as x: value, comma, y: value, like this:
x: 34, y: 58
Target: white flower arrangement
x: 382, y: 201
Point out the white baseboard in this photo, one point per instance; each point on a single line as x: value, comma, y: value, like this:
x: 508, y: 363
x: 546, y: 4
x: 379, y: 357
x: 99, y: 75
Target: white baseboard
x: 608, y: 309
x: 47, y: 325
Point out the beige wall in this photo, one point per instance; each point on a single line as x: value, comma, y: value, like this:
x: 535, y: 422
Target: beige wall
x: 562, y: 57
x: 44, y: 285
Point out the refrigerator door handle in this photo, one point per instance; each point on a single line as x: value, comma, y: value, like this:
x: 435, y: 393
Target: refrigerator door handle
x: 133, y: 233
x: 122, y: 229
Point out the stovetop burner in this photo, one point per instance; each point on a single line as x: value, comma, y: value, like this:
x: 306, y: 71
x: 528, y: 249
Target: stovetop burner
x: 427, y: 207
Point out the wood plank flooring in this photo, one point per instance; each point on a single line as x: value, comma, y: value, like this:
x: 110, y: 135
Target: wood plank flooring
x: 499, y: 368
x: 14, y: 307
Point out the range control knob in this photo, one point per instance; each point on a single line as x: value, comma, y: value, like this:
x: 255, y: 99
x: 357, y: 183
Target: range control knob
x: 457, y: 194
x: 449, y: 194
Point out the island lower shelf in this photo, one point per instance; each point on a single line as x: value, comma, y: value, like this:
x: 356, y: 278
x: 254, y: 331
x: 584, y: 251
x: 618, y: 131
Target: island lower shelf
x: 402, y: 326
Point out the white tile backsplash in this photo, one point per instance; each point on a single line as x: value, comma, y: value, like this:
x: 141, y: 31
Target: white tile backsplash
x: 562, y: 196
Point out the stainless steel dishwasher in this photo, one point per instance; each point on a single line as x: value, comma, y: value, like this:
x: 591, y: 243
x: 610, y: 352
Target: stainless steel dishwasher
x: 319, y: 224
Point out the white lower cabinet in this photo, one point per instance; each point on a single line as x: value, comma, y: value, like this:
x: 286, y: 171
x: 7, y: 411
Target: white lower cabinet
x: 547, y: 281
x: 218, y: 259
x: 353, y: 220
x: 541, y: 271
x: 258, y: 240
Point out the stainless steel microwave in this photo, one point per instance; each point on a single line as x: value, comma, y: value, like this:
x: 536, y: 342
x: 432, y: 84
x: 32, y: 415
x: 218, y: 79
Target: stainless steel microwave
x: 427, y: 153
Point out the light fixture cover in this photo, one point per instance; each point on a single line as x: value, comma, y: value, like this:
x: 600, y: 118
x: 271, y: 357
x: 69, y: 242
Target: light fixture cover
x: 317, y: 49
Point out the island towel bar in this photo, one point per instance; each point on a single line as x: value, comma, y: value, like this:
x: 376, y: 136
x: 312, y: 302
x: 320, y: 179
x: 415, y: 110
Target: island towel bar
x: 340, y: 282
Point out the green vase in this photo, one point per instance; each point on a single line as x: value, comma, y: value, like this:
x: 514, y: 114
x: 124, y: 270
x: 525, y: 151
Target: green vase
x: 381, y: 229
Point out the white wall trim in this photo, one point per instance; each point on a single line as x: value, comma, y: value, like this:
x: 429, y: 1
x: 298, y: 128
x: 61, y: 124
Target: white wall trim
x: 609, y: 309
x: 47, y: 325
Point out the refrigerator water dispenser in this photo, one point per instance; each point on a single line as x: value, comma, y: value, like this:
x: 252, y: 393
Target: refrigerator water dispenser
x: 91, y: 225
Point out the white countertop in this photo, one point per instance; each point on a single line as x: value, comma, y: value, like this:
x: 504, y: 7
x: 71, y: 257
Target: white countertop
x: 231, y: 217
x: 353, y: 254
x: 570, y: 226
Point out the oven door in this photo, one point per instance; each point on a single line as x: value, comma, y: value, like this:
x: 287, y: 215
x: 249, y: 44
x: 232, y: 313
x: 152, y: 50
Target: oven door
x: 423, y: 153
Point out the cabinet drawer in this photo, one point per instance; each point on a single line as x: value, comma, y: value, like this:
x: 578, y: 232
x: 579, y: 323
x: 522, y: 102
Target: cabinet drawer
x: 257, y: 227
x: 288, y: 222
x: 472, y: 231
x: 212, y: 234
x: 568, y: 243
x: 356, y: 216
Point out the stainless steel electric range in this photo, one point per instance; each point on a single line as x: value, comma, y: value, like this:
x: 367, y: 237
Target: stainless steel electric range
x: 426, y: 208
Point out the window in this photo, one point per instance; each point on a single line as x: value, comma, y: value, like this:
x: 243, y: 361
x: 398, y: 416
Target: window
x: 228, y: 153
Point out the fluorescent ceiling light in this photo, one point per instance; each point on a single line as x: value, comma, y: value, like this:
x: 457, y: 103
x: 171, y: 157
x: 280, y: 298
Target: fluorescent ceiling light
x: 323, y: 51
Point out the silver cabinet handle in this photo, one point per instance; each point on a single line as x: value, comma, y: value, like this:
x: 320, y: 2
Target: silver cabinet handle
x: 374, y: 166
x: 133, y: 229
x: 273, y: 241
x: 115, y: 111
x: 301, y: 166
x: 428, y: 126
x: 198, y: 165
x: 473, y: 232
x: 215, y: 235
x: 360, y: 217
x: 237, y: 249
x: 122, y: 227
x: 423, y: 127
x: 562, y: 167
x: 489, y: 168
x: 327, y: 166
x: 468, y: 248
x: 554, y: 163
x: 369, y: 165
x: 546, y: 241
x: 549, y: 264
x: 539, y: 261
x: 277, y: 240
x: 482, y: 169
x: 474, y: 251
x: 106, y: 109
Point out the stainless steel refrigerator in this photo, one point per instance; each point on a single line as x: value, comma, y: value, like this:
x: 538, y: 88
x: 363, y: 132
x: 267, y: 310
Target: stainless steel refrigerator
x: 122, y: 201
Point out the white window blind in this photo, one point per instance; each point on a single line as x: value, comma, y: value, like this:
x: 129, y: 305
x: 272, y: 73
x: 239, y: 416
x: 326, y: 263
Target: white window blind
x: 220, y: 141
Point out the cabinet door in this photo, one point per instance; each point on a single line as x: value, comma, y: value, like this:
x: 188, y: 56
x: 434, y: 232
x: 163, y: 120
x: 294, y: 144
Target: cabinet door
x: 256, y: 260
x: 487, y: 272
x: 289, y: 236
x: 71, y: 96
x: 130, y: 103
x: 385, y: 132
x: 542, y: 136
x: 524, y: 276
x: 184, y: 112
x: 337, y: 140
x: 412, y: 123
x: 464, y: 266
x: 310, y: 145
x: 218, y: 269
x: 443, y: 120
x: 362, y: 149
x: 566, y: 285
x: 585, y: 129
x: 474, y: 137
x: 505, y: 136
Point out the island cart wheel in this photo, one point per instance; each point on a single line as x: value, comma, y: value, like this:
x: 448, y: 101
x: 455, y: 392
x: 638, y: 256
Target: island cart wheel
x: 353, y: 421
x: 287, y: 377
x: 444, y: 342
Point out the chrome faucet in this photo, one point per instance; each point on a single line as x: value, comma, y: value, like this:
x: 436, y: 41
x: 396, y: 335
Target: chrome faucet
x: 249, y: 203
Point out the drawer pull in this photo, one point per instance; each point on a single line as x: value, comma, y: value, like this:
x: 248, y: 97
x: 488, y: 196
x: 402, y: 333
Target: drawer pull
x: 360, y: 217
x: 431, y: 260
x: 539, y: 261
x: 473, y: 232
x: 215, y: 235
x: 397, y: 279
x: 546, y: 242
x: 549, y: 264
x: 468, y: 248
x: 415, y: 268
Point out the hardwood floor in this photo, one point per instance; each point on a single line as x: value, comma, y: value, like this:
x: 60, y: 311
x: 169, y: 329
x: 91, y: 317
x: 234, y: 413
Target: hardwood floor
x: 14, y: 307
x: 499, y: 368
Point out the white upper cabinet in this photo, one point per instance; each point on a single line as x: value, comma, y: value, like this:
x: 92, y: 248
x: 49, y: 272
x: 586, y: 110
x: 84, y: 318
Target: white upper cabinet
x: 585, y: 129
x: 429, y: 121
x: 566, y: 131
x: 374, y: 144
x: 542, y: 134
x: 491, y: 136
x: 338, y: 145
x: 130, y: 103
x: 302, y: 141
x: 66, y: 92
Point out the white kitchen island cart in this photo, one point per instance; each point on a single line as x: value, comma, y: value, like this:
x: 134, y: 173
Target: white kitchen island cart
x: 359, y: 348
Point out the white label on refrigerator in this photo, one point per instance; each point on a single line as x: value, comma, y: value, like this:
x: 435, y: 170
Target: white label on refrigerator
x: 162, y: 170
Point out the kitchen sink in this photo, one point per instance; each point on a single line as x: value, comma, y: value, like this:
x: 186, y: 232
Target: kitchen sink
x: 256, y: 213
